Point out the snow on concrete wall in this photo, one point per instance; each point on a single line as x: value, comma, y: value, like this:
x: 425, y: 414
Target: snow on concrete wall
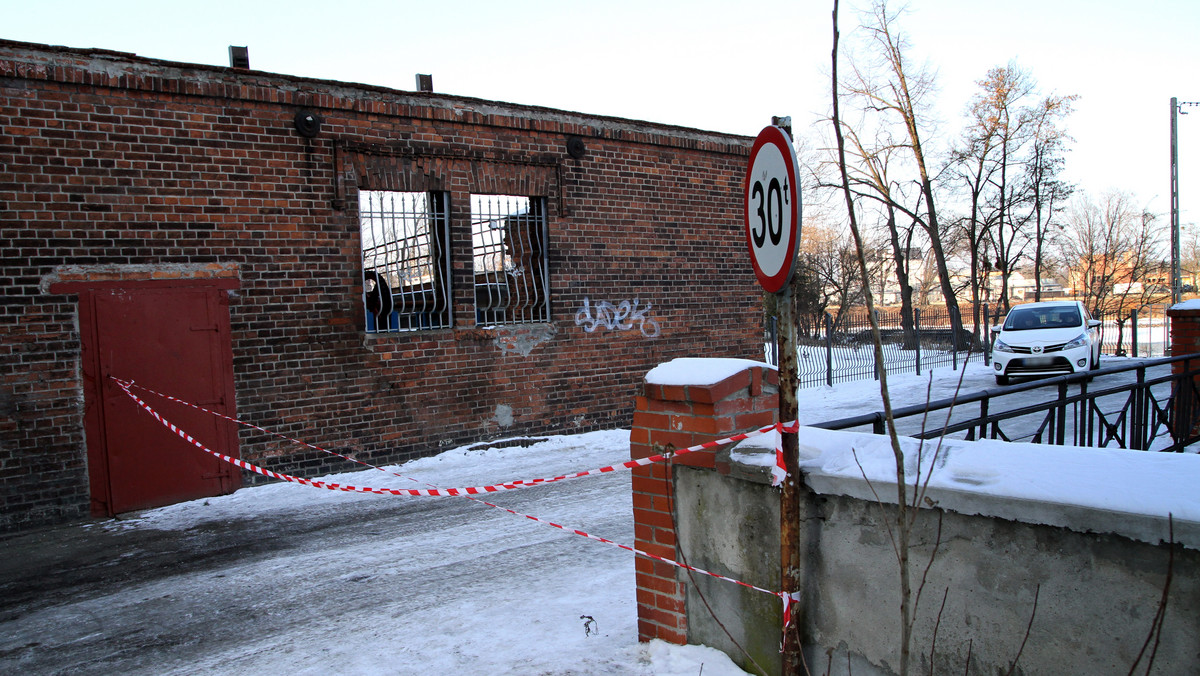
x: 1082, y: 531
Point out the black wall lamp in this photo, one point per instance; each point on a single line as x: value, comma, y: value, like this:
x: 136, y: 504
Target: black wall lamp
x: 576, y: 147
x: 307, y: 123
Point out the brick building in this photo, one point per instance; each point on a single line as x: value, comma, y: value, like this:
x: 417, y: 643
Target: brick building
x: 378, y: 272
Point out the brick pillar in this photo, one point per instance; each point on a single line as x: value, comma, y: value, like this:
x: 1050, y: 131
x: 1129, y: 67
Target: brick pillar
x: 1185, y: 331
x: 743, y: 398
x: 1185, y: 339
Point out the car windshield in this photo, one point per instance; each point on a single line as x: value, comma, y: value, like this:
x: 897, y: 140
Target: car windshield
x: 1021, y: 319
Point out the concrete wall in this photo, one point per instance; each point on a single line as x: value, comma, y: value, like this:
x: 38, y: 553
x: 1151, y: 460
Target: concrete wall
x: 1097, y: 595
x: 728, y: 525
x: 1096, y: 591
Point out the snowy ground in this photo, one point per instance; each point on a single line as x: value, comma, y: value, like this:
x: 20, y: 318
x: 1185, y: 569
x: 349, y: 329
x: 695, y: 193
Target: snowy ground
x: 286, y: 579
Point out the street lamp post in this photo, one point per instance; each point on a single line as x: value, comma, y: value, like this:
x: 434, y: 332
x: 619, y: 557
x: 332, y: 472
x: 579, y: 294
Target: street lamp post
x: 1176, y: 110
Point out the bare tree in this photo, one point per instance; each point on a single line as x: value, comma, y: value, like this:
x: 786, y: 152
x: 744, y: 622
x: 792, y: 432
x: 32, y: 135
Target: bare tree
x: 1009, y: 161
x: 832, y: 257
x: 973, y: 165
x: 1048, y: 194
x: 1113, y: 255
x: 869, y: 178
x: 1003, y: 89
x: 899, y: 94
x: 1189, y: 257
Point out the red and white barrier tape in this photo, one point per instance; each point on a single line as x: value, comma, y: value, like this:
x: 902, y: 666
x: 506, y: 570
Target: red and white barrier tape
x: 785, y: 597
x: 777, y: 472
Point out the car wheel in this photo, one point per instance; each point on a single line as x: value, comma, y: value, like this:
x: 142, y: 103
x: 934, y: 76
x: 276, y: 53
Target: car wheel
x: 1096, y: 362
x: 1002, y: 380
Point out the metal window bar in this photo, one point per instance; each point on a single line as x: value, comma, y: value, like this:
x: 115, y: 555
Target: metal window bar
x: 406, y: 261
x: 508, y: 235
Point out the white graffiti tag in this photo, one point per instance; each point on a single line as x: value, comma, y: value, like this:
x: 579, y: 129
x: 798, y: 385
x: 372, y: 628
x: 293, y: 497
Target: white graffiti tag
x: 619, y: 317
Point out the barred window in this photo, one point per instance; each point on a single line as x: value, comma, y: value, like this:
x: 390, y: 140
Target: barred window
x: 406, y: 260
x: 509, y: 238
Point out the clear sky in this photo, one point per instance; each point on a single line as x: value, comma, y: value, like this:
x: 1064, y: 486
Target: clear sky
x: 722, y: 66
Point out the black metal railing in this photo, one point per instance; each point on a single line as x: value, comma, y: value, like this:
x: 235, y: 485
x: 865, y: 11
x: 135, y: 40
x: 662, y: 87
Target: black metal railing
x: 839, y: 348
x: 1158, y: 409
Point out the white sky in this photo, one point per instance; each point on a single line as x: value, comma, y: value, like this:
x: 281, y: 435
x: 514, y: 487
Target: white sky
x: 721, y: 66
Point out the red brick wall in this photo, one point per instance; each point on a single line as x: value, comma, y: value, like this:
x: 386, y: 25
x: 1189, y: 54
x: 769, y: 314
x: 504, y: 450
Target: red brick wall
x: 683, y: 416
x: 114, y: 166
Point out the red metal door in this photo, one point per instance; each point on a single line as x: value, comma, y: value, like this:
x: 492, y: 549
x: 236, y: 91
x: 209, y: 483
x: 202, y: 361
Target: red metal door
x: 173, y: 339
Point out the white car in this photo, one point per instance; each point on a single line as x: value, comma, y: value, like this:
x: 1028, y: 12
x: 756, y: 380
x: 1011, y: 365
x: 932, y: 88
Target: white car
x: 1041, y: 339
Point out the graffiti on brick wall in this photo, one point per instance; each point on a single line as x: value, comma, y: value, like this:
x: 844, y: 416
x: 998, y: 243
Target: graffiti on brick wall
x: 620, y: 317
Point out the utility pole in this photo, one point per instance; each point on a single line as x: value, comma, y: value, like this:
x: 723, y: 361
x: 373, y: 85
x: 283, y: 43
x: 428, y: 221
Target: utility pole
x: 1176, y: 110
x: 1176, y: 291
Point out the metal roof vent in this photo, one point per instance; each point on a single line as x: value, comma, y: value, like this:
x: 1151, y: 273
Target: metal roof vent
x: 239, y: 57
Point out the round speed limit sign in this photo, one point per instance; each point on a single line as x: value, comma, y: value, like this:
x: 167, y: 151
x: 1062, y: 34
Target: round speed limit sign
x: 772, y: 208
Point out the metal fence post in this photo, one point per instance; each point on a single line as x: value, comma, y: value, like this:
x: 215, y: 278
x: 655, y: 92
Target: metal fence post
x: 874, y: 354
x: 1103, y: 326
x: 954, y: 338
x: 987, y: 336
x: 1166, y: 331
x: 1133, y: 339
x: 1060, y: 426
x: 1082, y: 414
x: 983, y: 416
x: 828, y: 350
x: 1141, y: 410
x: 917, y: 331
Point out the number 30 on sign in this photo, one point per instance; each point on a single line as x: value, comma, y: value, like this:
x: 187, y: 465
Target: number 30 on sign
x: 772, y: 208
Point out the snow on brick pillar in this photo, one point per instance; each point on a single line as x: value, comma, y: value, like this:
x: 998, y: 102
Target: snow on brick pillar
x: 685, y: 402
x: 1185, y: 339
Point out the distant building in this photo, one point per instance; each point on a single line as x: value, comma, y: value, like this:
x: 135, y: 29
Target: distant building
x: 1022, y: 288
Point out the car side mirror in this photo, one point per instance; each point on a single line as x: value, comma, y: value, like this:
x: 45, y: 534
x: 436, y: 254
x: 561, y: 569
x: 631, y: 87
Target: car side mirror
x: 1093, y: 323
x: 996, y: 329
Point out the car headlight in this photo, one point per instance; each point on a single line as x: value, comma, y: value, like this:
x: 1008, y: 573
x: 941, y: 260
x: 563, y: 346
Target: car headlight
x: 1002, y: 346
x: 1079, y: 341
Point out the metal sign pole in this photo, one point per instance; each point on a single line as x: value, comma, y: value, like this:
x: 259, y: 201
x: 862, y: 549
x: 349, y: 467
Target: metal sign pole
x: 772, y: 221
x: 790, y: 493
